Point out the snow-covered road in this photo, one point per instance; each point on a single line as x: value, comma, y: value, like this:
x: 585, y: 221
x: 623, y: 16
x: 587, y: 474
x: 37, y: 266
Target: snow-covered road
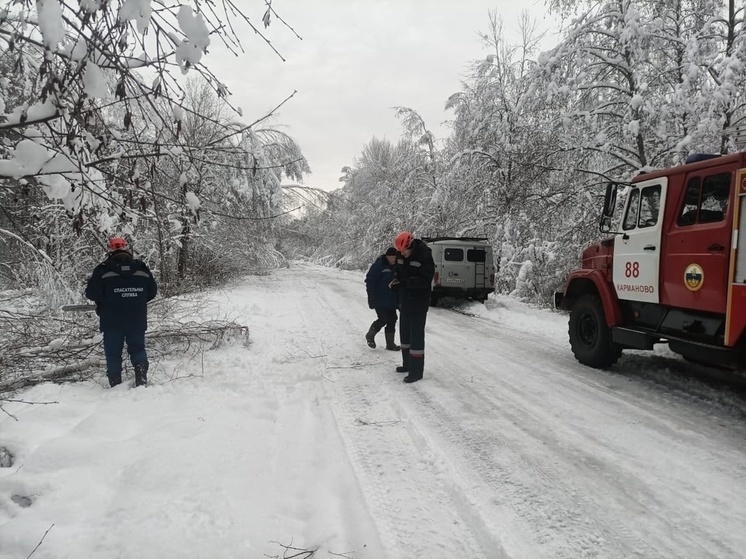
x: 507, y: 449
x: 515, y: 450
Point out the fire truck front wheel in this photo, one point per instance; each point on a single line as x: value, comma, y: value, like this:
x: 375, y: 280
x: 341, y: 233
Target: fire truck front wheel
x: 590, y: 337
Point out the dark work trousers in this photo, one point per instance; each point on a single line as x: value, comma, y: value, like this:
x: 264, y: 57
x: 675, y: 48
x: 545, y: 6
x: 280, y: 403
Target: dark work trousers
x: 412, y: 336
x: 114, y: 343
x: 387, y: 318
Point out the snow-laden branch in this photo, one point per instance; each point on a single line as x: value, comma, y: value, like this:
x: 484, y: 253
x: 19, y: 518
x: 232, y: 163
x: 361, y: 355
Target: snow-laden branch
x: 85, y: 57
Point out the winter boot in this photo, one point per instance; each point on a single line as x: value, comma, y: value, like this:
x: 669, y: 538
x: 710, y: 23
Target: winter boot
x: 390, y: 344
x: 114, y: 379
x: 370, y: 337
x: 416, y: 367
x: 141, y: 374
x: 405, y: 361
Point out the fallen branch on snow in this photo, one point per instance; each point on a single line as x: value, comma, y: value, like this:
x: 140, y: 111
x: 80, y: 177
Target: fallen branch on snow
x: 41, y: 347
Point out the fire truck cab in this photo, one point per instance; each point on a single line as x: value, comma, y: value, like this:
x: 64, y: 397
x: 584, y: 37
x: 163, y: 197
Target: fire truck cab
x: 671, y: 273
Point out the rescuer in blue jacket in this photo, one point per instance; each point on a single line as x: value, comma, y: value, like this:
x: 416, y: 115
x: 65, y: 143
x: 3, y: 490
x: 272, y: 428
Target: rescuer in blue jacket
x: 414, y: 276
x: 382, y: 299
x: 121, y: 287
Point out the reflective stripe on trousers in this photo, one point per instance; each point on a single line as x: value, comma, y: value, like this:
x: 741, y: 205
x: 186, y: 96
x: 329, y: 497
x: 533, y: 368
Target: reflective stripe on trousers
x: 412, y: 331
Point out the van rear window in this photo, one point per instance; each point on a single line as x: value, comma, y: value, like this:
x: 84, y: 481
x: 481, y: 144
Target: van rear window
x: 453, y: 254
x: 476, y: 255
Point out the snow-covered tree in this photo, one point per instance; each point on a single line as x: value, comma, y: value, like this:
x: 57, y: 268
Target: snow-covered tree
x: 105, y: 80
x: 727, y: 69
x: 647, y: 82
x: 388, y: 188
x: 103, y: 123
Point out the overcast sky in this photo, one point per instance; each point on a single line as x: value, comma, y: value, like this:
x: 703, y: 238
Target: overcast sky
x: 357, y: 59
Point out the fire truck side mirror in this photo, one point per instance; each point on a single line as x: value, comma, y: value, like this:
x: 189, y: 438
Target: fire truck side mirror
x: 609, y: 207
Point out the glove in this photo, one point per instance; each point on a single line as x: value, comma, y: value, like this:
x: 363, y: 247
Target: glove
x: 394, y: 285
x: 371, y: 302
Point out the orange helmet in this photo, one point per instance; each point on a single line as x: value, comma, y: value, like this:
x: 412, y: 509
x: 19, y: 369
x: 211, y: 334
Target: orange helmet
x: 403, y: 240
x: 118, y: 243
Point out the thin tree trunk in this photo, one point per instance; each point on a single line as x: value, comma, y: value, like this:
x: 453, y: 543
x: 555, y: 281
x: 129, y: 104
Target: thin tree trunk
x: 728, y: 112
x: 162, y: 265
x: 182, y: 264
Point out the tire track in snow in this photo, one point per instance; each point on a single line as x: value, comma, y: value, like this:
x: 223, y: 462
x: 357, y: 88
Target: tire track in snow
x: 533, y: 500
x: 544, y: 512
x: 539, y: 487
x: 536, y: 453
x: 413, y: 511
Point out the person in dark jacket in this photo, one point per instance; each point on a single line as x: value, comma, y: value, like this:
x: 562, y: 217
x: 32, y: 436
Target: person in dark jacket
x: 414, y: 276
x: 382, y: 299
x: 121, y: 287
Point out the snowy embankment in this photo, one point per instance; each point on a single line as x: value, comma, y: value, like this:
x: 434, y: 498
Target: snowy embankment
x: 308, y: 439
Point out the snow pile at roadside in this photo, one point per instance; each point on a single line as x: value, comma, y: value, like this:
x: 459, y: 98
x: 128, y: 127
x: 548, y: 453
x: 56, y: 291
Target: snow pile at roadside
x: 545, y: 323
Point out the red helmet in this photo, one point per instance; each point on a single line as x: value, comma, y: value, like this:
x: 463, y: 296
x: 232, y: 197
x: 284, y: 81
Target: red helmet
x: 403, y: 240
x: 118, y: 243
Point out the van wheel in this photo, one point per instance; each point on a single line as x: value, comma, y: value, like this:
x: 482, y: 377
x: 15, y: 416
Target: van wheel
x: 590, y: 337
x: 433, y: 300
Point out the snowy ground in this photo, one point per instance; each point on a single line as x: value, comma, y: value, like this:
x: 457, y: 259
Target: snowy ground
x: 308, y: 439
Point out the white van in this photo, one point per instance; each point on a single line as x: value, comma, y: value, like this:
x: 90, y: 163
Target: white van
x: 464, y: 268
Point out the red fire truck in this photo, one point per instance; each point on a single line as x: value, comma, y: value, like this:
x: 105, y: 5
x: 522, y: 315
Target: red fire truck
x: 671, y: 273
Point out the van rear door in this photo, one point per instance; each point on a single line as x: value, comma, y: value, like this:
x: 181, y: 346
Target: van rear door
x: 477, y: 257
x: 454, y: 273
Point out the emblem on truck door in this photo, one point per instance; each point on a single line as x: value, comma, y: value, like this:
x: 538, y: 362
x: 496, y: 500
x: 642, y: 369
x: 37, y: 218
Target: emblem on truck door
x: 694, y: 277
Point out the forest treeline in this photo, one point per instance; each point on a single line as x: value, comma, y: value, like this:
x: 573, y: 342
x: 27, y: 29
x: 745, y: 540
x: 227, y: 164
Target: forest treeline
x: 632, y: 86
